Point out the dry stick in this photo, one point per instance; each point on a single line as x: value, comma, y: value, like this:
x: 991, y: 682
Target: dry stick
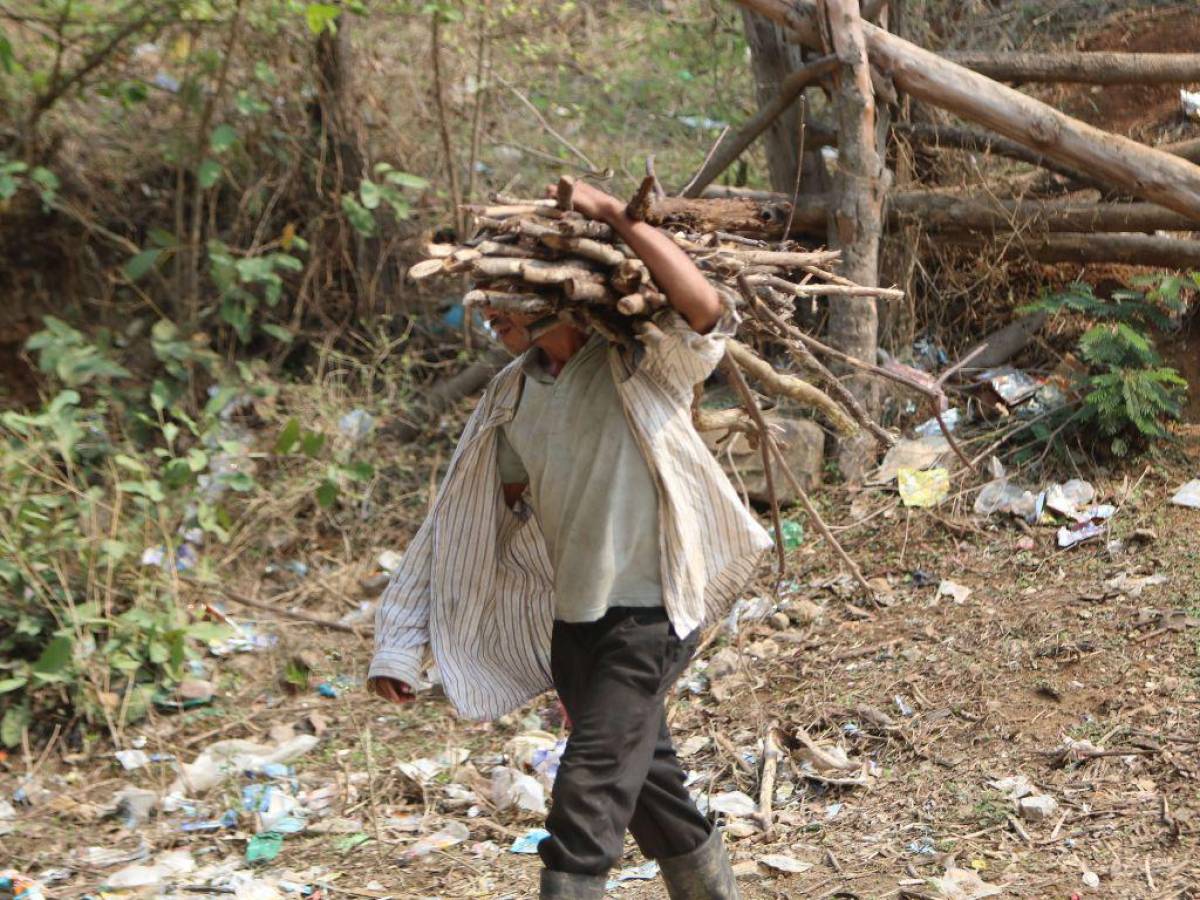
x: 440, y: 101
x: 683, y: 191
x: 766, y: 793
x: 787, y: 229
x: 591, y: 166
x: 481, y: 50
x: 650, y: 173
x: 805, y: 357
x: 265, y: 606
x: 735, y: 376
x: 639, y: 207
x: 934, y: 394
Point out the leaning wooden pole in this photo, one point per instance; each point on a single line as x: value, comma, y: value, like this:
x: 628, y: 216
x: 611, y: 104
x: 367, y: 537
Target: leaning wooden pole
x: 1143, y: 171
x: 1082, y: 67
x: 856, y: 218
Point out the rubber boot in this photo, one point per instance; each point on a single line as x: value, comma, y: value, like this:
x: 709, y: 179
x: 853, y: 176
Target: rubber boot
x: 702, y: 874
x: 569, y: 886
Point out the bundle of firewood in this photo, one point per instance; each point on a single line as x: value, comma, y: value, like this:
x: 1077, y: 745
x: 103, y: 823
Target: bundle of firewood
x: 538, y: 258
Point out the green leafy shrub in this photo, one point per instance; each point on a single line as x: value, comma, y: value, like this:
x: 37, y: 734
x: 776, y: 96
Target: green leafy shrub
x: 114, y: 490
x: 1127, y: 395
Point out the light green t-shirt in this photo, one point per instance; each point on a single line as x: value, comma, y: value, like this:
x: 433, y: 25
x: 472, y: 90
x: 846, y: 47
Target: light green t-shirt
x: 589, y: 484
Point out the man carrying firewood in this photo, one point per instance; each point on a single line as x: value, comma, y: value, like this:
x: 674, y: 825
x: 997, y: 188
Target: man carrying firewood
x: 582, y: 534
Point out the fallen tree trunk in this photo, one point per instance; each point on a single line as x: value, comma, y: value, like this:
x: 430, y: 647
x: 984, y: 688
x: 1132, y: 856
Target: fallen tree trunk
x: 763, y: 215
x: 1129, y: 249
x: 1123, y: 163
x: 1082, y: 67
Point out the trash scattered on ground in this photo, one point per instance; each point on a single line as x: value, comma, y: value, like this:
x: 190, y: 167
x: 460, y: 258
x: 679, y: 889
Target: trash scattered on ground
x: 793, y: 534
x: 1069, y: 536
x: 733, y: 803
x: 165, y: 866
x: 356, y: 424
x: 902, y: 706
x: 1090, y: 880
x: 451, y: 833
x: 952, y: 589
x: 528, y: 842
x: 264, y: 847
x: 134, y: 806
x: 1132, y: 586
x: 647, y: 871
x: 964, y: 884
x: 918, y: 454
x: 132, y: 759
x: 1037, y: 807
x: 423, y: 770
x: 1015, y: 786
x: 1012, y: 385
x: 999, y: 496
x: 389, y: 561
x: 20, y: 887
x: 748, y: 609
x: 781, y: 862
x: 223, y: 759
x: 1070, y: 498
x: 511, y: 787
x: 923, y: 489
x: 930, y: 427
x: 1188, y: 495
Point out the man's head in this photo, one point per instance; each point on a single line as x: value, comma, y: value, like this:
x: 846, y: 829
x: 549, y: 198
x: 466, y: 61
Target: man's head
x: 511, y: 328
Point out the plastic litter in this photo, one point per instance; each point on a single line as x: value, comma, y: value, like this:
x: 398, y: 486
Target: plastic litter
x: 998, y: 496
x: 165, y: 866
x: 748, y: 609
x: 952, y: 589
x: 918, y: 454
x: 1037, y: 807
x: 389, y: 561
x: 424, y: 769
x: 1188, y: 495
x: 647, y: 871
x: 1069, y: 536
x: 931, y: 428
x: 1133, y: 585
x: 1011, y: 384
x: 356, y: 424
x: 132, y: 759
x: 964, y: 884
x: 781, y: 862
x: 1071, y: 498
x: 453, y: 833
x: 528, y: 842
x: 1015, y: 786
x: 133, y: 806
x: 733, y: 803
x: 511, y: 787
x: 264, y: 847
x: 20, y: 887
x: 223, y: 759
x: 923, y: 489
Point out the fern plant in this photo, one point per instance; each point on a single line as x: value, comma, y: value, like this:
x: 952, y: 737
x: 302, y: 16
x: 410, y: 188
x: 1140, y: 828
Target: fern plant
x: 1128, y: 395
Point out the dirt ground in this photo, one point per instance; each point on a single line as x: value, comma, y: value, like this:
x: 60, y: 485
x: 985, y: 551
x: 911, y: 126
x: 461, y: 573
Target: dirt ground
x: 933, y: 701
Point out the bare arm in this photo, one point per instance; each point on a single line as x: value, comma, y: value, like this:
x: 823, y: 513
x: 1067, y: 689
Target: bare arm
x: 687, y: 290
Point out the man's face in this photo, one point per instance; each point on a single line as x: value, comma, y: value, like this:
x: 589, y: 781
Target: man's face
x: 511, y: 328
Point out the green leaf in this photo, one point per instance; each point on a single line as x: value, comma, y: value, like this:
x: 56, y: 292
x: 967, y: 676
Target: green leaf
x: 406, y: 179
x: 278, y: 332
x: 7, y: 62
x: 222, y: 138
x: 141, y: 263
x: 160, y: 395
x: 208, y: 173
x: 13, y: 725
x: 197, y: 459
x: 359, y: 217
x: 369, y: 192
x: 54, y: 658
x: 288, y: 437
x: 11, y: 684
x: 359, y: 471
x: 322, y: 16
x: 327, y: 494
x: 311, y: 443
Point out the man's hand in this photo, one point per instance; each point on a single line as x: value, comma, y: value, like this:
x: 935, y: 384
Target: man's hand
x: 392, y: 690
x: 592, y: 202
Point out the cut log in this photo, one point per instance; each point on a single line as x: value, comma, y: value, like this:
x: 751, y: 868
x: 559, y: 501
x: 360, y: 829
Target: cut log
x: 1130, y: 249
x: 1082, y: 67
x: 735, y: 144
x: 1123, y: 163
x: 946, y: 212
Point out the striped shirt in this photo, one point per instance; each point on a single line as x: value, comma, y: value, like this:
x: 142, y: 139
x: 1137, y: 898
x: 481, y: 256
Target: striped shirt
x: 476, y: 586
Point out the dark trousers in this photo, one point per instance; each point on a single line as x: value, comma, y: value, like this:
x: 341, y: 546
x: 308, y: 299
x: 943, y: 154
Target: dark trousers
x: 619, y: 770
